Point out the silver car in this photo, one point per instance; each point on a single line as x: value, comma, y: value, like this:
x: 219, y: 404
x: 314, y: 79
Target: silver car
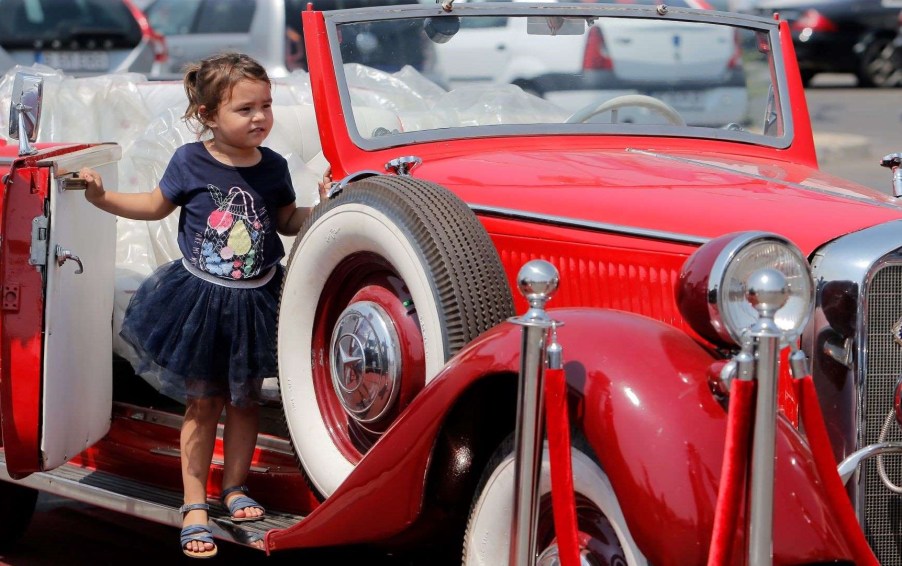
x: 268, y: 30
x: 78, y: 37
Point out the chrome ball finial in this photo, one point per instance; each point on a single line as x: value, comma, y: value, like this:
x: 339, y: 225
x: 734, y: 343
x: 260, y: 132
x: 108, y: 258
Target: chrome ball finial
x: 767, y: 291
x: 538, y: 280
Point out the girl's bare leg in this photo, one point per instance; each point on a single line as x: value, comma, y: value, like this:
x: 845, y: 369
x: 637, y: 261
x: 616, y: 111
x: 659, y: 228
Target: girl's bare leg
x: 198, y: 437
x: 239, y: 441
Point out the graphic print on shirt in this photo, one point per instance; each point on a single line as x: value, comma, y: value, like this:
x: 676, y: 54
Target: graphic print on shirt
x: 232, y: 242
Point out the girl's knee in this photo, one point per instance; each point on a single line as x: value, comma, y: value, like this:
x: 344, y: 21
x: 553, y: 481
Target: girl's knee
x: 243, y: 411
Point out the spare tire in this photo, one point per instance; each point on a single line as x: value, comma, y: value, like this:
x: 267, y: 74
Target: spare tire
x: 385, y: 283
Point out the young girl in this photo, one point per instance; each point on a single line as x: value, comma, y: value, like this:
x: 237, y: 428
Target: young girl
x: 206, y: 324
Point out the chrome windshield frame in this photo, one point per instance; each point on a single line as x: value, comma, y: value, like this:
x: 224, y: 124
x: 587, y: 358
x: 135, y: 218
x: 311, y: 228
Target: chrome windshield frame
x: 333, y: 19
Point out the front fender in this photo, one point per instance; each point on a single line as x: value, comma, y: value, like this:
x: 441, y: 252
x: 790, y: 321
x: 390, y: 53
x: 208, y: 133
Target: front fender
x: 646, y: 409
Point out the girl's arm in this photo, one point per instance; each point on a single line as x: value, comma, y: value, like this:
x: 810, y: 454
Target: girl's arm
x: 290, y: 218
x: 137, y: 206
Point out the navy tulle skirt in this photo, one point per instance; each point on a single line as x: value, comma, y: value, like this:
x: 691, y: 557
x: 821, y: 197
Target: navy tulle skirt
x: 202, y: 339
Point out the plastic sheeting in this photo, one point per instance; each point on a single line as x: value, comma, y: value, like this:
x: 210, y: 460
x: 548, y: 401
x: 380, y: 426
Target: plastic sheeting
x: 145, y: 119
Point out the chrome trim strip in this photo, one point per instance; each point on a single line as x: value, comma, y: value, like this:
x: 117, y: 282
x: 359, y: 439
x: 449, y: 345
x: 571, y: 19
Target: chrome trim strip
x: 176, y: 453
x: 333, y: 19
x: 850, y: 464
x: 567, y: 222
x: 171, y: 420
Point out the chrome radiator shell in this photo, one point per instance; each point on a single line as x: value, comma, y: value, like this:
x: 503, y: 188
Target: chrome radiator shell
x: 855, y: 364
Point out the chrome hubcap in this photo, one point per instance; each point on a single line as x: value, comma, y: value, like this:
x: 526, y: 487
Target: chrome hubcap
x: 551, y: 557
x: 366, y: 362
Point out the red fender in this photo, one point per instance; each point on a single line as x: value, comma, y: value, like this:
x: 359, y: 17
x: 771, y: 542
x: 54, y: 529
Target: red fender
x: 639, y: 394
x: 388, y: 483
x: 659, y: 434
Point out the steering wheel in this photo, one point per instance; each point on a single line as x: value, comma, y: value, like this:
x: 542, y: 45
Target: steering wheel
x: 640, y: 100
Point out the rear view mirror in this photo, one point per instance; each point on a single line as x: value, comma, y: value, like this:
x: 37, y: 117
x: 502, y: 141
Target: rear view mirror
x: 555, y: 25
x: 25, y: 110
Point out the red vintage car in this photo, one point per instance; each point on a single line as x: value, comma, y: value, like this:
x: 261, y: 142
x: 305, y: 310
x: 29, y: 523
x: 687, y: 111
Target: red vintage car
x: 715, y: 321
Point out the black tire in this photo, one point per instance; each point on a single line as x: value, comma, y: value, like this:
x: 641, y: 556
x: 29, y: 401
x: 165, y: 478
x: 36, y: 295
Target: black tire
x: 599, y: 516
x: 418, y: 253
x: 17, y: 505
x: 877, y: 65
x: 807, y: 75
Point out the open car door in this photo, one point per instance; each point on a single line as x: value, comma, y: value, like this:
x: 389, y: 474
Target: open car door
x: 57, y: 262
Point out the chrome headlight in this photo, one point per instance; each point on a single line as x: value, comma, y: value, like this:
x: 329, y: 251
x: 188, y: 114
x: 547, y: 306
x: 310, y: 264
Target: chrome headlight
x: 711, y: 293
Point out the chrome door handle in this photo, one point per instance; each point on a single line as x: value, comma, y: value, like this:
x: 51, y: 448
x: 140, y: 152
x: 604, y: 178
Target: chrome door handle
x: 62, y: 255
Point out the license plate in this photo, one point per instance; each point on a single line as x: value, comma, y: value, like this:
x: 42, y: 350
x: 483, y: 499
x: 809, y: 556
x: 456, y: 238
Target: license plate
x: 77, y: 60
x: 683, y: 99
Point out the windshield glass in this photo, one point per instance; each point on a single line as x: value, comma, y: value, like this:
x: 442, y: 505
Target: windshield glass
x: 475, y: 75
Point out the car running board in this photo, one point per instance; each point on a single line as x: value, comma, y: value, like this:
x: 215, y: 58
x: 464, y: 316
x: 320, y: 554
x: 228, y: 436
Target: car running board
x: 137, y: 499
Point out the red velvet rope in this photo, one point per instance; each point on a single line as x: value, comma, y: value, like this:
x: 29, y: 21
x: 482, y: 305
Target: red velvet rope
x: 819, y: 442
x: 557, y: 425
x: 733, y: 472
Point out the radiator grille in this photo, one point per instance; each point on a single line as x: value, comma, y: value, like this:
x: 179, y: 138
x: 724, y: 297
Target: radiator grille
x: 882, y: 507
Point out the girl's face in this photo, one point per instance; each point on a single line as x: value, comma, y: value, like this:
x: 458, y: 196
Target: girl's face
x: 244, y: 118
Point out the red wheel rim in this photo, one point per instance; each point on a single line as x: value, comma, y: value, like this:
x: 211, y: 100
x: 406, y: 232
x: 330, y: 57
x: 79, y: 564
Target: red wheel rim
x: 365, y: 277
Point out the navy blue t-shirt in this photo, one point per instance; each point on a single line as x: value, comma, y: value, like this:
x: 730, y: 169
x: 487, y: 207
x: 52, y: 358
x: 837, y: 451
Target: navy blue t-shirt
x: 226, y: 223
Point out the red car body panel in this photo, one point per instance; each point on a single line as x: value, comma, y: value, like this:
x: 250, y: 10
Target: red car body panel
x: 21, y: 319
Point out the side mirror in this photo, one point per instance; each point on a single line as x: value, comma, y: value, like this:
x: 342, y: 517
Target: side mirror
x: 25, y: 110
x: 893, y: 161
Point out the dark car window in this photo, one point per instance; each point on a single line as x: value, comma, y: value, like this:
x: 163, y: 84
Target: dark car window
x: 27, y: 23
x: 226, y: 16
x: 173, y: 17
x: 405, y: 37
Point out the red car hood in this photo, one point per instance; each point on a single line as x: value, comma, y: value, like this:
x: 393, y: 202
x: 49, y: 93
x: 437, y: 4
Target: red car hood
x: 700, y: 196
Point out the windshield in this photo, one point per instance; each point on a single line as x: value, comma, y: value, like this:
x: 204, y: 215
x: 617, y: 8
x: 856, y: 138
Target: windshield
x: 493, y: 72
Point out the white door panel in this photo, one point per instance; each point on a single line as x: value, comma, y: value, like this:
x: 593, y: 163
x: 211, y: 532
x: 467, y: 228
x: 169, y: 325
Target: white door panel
x: 77, y: 389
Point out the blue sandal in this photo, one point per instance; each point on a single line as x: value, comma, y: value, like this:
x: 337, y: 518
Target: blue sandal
x: 241, y: 502
x: 200, y: 533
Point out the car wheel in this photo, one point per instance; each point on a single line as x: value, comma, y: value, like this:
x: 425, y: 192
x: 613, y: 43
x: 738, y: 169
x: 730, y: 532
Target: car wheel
x: 603, y: 536
x: 17, y: 505
x: 877, y: 65
x: 807, y: 75
x: 385, y: 283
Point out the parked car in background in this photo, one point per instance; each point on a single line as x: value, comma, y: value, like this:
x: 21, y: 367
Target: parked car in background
x: 841, y: 36
x: 696, y: 70
x: 268, y: 30
x: 88, y: 37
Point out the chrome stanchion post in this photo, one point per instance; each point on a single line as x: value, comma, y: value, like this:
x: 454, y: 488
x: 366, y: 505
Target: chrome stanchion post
x: 767, y: 291
x: 537, y: 281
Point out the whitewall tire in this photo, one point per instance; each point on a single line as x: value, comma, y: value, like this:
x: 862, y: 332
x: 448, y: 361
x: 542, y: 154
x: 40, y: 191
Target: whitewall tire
x: 385, y: 283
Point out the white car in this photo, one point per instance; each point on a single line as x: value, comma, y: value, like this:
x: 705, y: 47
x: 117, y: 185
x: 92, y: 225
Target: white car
x: 695, y: 69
